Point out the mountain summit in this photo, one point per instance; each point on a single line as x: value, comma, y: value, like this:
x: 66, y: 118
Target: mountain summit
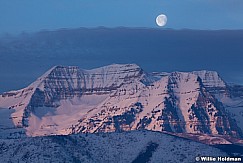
x: 122, y: 97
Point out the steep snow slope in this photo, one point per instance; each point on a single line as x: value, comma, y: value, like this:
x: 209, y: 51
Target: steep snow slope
x: 128, y: 147
x: 62, y: 95
x: 230, y: 95
x: 178, y: 102
x: 117, y: 98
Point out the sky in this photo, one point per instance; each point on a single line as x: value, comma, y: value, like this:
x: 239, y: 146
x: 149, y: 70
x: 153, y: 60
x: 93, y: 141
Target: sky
x: 167, y: 51
x: 34, y: 15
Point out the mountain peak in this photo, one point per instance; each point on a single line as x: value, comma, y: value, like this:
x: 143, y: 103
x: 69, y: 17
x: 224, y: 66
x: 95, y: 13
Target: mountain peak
x: 210, y: 78
x: 117, y: 67
x: 105, y: 69
x: 206, y: 72
x: 117, y: 97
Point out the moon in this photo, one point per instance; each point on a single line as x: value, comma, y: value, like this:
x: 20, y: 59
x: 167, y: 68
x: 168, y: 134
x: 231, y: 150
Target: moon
x: 161, y: 20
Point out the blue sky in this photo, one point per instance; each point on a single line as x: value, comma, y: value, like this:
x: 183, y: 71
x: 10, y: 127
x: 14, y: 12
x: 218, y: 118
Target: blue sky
x: 188, y: 53
x: 34, y: 15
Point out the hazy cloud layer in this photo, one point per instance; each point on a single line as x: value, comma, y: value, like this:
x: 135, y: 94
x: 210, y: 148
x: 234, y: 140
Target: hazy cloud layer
x: 29, y: 15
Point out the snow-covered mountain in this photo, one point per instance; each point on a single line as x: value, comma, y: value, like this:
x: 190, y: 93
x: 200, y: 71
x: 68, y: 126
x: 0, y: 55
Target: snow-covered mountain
x: 129, y: 147
x: 120, y: 97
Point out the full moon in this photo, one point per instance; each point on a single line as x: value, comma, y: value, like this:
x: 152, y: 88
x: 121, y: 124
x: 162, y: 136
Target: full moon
x: 161, y: 20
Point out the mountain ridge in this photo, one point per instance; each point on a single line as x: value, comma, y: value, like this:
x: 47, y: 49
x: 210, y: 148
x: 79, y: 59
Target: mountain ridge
x: 121, y: 97
x: 132, y: 146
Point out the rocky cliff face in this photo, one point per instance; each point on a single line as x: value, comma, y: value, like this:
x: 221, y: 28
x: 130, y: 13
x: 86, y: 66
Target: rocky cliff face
x: 178, y: 102
x: 68, y: 82
x: 119, y: 98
